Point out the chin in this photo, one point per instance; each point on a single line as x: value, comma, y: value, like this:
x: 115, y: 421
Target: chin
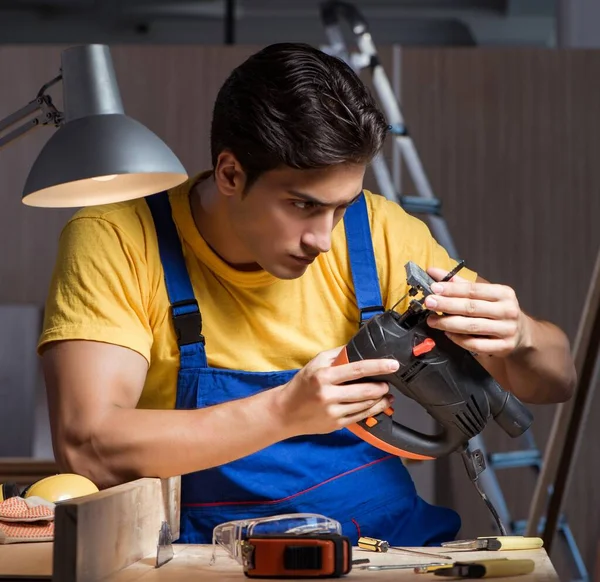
x: 285, y: 272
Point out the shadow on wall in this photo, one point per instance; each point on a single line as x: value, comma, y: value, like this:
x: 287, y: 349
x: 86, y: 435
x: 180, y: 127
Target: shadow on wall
x: 24, y: 423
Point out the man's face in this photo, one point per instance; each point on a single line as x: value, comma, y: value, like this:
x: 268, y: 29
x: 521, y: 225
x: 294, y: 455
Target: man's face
x: 286, y: 218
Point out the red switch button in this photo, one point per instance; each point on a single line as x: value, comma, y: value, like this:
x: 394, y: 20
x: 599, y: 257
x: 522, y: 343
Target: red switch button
x: 425, y: 346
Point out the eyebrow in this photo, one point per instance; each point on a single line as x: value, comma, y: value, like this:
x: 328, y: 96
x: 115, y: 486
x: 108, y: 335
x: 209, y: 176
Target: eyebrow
x: 317, y: 202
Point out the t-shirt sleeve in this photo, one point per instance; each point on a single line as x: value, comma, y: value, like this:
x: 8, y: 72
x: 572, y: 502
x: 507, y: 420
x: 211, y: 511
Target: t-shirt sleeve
x: 399, y: 237
x: 99, y: 288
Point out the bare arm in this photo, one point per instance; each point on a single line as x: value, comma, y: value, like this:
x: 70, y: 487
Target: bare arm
x: 93, y: 389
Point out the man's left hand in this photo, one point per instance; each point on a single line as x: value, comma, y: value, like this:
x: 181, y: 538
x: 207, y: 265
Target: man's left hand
x: 481, y: 317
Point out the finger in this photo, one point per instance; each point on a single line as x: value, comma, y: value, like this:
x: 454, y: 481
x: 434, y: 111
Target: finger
x: 473, y: 325
x: 481, y: 345
x: 355, y: 408
x: 439, y: 274
x: 470, y: 307
x: 360, y: 392
x: 470, y: 290
x: 361, y: 369
x: 374, y: 410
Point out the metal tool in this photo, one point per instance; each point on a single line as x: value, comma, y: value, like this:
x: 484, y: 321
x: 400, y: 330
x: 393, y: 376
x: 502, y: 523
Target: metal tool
x: 376, y: 545
x: 164, y: 549
x: 496, y: 543
x: 474, y: 462
x: 447, y: 380
x: 402, y: 566
x: 429, y: 568
x: 413, y: 290
x: 444, y: 378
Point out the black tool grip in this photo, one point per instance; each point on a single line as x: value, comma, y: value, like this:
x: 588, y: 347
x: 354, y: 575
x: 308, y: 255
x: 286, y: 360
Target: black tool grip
x: 441, y: 376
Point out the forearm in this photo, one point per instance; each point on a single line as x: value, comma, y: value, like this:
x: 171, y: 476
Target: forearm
x: 541, y: 369
x: 129, y: 443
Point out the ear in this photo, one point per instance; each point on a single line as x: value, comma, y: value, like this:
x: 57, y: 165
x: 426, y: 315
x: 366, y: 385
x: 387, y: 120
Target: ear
x: 229, y: 175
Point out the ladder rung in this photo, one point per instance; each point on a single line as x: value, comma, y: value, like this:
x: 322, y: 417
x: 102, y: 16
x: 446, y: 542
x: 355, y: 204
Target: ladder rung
x: 421, y: 205
x: 512, y: 459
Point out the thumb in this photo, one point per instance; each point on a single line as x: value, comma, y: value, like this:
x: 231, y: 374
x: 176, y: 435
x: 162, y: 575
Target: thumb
x: 438, y: 274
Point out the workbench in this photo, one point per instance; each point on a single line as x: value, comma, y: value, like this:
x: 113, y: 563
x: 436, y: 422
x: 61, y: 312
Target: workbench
x: 111, y: 536
x: 192, y: 563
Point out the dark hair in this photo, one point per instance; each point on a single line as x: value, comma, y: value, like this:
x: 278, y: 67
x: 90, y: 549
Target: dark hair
x: 293, y: 105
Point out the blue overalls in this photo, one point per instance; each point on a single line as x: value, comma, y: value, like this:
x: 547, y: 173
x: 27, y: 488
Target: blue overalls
x: 368, y: 491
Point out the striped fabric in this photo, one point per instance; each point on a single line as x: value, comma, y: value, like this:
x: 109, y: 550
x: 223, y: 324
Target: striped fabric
x: 17, y: 532
x: 31, y: 509
x: 26, y: 520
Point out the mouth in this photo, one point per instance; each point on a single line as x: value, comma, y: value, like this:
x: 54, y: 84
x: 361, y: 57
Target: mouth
x: 303, y: 259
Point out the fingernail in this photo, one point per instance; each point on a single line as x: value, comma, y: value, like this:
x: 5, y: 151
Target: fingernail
x: 430, y: 302
x: 437, y: 287
x: 392, y: 365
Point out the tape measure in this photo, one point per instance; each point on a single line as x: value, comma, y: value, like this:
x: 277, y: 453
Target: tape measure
x: 295, y: 556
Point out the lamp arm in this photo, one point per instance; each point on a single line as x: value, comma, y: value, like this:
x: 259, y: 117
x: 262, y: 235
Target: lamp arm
x: 49, y: 115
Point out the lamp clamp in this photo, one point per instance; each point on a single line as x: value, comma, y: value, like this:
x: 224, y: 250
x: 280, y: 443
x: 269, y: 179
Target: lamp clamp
x: 49, y: 114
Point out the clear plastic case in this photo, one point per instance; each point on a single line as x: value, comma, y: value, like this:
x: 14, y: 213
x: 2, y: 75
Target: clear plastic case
x: 229, y: 535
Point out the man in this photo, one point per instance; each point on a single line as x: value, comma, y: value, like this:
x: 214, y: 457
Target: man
x: 271, y: 254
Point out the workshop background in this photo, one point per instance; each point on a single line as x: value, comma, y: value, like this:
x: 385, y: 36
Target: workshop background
x: 502, y: 99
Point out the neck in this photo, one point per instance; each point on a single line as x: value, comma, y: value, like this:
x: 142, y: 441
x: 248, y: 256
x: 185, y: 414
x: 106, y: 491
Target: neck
x: 211, y: 217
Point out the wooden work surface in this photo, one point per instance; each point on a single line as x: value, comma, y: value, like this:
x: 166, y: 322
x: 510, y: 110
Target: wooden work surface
x: 192, y: 563
x: 26, y: 560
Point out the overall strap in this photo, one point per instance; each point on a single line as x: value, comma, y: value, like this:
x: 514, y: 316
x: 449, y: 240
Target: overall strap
x: 185, y: 312
x: 362, y: 260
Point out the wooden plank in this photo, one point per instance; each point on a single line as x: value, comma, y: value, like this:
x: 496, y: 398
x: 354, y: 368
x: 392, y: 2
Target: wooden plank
x: 569, y: 419
x: 26, y: 561
x: 192, y: 562
x: 100, y: 534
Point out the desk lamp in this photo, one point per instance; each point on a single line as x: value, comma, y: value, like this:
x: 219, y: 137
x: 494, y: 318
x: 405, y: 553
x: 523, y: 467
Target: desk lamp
x: 98, y: 155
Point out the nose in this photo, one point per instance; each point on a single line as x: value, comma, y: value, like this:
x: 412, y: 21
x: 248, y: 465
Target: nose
x: 317, y: 239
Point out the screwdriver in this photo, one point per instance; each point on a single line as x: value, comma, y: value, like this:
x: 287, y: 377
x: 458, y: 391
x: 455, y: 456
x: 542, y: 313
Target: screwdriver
x: 496, y: 543
x: 375, y: 545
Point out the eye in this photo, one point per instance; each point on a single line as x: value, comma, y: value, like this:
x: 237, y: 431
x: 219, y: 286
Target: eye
x: 304, y: 204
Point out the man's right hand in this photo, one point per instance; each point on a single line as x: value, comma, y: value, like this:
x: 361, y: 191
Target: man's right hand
x: 318, y: 401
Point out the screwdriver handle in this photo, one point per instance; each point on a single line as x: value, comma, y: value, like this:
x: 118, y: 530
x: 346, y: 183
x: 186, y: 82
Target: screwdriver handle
x: 499, y: 568
x: 516, y: 542
x: 373, y: 544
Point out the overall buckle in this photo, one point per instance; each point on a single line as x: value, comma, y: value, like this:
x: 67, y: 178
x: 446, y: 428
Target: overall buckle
x: 188, y: 326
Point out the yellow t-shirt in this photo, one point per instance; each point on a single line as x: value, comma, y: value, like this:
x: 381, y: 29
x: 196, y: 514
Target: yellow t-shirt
x: 108, y: 286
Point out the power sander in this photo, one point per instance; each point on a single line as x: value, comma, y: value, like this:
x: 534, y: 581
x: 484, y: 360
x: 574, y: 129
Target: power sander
x: 444, y: 378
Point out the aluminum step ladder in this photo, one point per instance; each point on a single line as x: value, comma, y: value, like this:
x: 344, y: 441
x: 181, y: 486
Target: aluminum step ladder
x: 365, y: 57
